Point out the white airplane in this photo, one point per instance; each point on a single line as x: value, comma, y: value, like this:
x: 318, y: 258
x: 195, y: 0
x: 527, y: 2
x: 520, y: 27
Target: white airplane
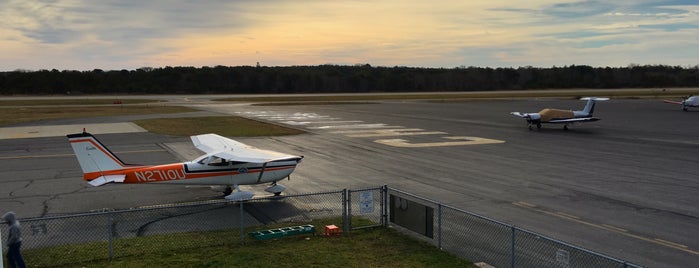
x: 565, y: 117
x: 227, y: 163
x: 691, y: 101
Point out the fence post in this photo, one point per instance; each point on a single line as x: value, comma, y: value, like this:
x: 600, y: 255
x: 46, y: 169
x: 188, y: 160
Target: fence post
x: 384, y: 205
x: 344, y: 210
x: 349, y: 212
x: 439, y: 225
x: 242, y: 230
x: 512, y: 258
x: 1, y: 253
x: 110, y: 235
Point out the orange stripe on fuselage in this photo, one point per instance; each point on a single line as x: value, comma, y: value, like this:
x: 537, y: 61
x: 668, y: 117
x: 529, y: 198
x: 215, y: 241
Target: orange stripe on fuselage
x: 168, y: 172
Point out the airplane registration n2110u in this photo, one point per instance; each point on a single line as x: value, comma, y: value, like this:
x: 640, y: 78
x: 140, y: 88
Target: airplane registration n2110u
x: 226, y: 165
x: 558, y: 116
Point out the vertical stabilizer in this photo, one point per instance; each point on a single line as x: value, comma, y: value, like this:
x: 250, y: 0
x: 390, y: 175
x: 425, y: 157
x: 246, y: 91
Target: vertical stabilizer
x: 93, y: 156
x: 590, y: 106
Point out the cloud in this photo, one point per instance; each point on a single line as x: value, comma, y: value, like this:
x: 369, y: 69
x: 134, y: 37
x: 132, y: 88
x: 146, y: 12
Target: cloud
x: 81, y: 34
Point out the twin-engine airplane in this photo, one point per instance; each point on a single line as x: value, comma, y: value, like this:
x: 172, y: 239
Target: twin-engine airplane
x: 691, y: 101
x: 227, y: 163
x: 565, y: 117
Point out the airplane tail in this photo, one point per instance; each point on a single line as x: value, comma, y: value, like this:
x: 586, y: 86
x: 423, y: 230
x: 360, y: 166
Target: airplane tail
x: 590, y: 106
x: 93, y: 156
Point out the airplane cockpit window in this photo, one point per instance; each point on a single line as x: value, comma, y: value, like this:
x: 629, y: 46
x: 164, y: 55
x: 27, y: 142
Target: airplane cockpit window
x: 217, y: 161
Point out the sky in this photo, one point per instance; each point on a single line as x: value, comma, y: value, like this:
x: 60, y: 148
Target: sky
x: 116, y: 35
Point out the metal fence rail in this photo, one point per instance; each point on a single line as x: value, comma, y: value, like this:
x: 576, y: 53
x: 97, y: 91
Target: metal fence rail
x: 115, y: 234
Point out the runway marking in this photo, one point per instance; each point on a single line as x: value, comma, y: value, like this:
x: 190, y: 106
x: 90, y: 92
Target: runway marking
x: 610, y: 228
x: 365, y: 126
x: 466, y: 141
x: 615, y: 228
x: 386, y: 132
x: 360, y: 129
x: 73, y: 155
x: 303, y: 123
x: 567, y: 215
x: 670, y: 243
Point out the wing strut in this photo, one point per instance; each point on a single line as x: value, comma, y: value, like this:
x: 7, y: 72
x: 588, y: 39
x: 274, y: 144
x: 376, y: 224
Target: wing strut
x: 262, y: 171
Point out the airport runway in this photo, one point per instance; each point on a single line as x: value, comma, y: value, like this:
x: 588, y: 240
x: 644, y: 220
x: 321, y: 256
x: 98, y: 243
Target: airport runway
x: 624, y: 186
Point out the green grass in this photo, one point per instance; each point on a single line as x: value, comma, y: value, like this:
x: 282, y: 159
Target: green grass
x: 230, y: 126
x: 10, y: 116
x: 462, y: 96
x: 371, y: 247
x: 78, y: 101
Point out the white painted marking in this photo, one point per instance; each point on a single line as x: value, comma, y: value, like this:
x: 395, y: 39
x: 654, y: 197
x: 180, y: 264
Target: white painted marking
x: 355, y: 126
x: 464, y: 141
x: 393, y: 132
x: 302, y: 123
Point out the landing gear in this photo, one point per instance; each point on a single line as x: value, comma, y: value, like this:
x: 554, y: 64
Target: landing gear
x: 565, y: 127
x: 276, y: 189
x: 531, y: 126
x: 228, y: 190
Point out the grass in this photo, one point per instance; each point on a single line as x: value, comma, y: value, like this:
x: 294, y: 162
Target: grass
x: 10, y: 116
x: 62, y: 101
x: 221, y: 125
x: 371, y: 247
x: 456, y: 96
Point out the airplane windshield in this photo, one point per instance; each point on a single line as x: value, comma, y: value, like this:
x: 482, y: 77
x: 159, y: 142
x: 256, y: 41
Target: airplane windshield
x: 217, y: 161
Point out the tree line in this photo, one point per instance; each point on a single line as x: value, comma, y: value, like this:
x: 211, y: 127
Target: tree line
x: 339, y: 79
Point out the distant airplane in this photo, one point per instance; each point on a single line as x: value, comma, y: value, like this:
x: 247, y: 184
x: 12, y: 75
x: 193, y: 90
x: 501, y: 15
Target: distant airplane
x: 691, y: 101
x: 565, y: 117
x: 226, y: 165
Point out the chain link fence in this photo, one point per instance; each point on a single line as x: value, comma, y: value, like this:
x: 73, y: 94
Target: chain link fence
x: 79, y: 238
x: 480, y: 239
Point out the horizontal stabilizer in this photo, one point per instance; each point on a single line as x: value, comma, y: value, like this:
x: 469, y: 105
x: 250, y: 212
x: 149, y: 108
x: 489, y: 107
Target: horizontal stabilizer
x: 102, y: 180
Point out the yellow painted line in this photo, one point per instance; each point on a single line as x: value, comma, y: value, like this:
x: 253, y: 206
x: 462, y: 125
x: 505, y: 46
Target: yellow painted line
x: 567, y: 215
x: 73, y: 155
x: 670, y: 243
x: 525, y: 204
x: 615, y: 230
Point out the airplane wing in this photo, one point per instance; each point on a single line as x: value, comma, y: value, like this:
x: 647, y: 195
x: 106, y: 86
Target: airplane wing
x: 573, y: 120
x: 235, y: 151
x: 671, y: 101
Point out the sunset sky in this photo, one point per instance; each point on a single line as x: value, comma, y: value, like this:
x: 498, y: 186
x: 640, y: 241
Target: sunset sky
x: 114, y: 35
